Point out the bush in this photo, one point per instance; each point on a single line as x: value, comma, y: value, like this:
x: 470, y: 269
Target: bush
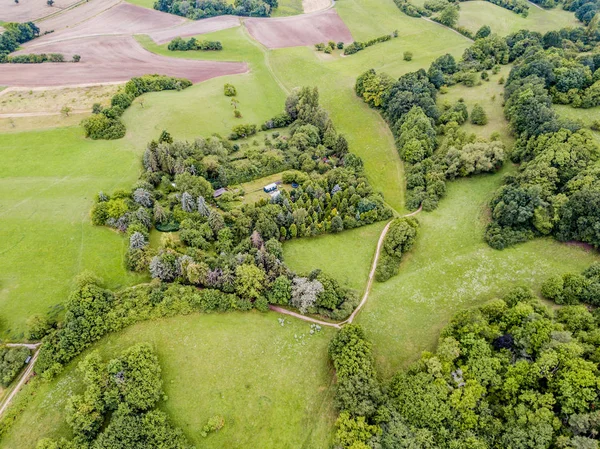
x: 478, y: 116
x: 340, y: 45
x: 242, y: 131
x: 229, y: 90
x: 98, y: 126
x: 408, y: 55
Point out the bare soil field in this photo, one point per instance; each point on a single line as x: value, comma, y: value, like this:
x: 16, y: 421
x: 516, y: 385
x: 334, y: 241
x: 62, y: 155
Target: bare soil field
x: 194, y: 28
x: 315, y: 5
x: 15, y: 101
x: 29, y: 10
x: 76, y: 15
x: 297, y: 31
x: 123, y: 18
x: 108, y: 59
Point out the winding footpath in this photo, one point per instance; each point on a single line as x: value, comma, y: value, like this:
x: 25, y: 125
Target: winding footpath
x: 365, y: 297
x: 24, y: 377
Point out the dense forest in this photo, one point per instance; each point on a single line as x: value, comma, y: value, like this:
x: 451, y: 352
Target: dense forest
x: 510, y: 374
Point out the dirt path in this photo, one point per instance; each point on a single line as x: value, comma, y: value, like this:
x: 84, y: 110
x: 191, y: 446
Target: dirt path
x: 24, y: 377
x: 536, y: 5
x: 365, y: 297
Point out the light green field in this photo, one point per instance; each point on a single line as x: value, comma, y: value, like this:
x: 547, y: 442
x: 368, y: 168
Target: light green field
x: 272, y: 384
x: 475, y: 14
x: 452, y: 268
x: 490, y: 95
x: 145, y: 3
x: 47, y: 183
x: 346, y: 256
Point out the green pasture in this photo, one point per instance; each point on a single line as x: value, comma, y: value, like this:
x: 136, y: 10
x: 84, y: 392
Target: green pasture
x: 272, y: 383
x: 474, y: 14
x: 346, y: 256
x: 48, y: 180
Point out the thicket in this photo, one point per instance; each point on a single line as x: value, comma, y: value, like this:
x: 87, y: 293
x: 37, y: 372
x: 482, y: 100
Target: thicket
x: 399, y: 239
x: 511, y: 373
x: 179, y: 44
x: 201, y: 9
x: 557, y: 188
x: 356, y: 46
x: 106, y: 123
x: 409, y: 106
x: 574, y: 288
x: 35, y: 58
x: 14, y: 35
x: 12, y: 360
x: 118, y: 408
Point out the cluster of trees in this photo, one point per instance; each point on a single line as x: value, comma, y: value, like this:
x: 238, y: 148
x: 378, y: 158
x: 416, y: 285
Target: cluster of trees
x: 574, y: 288
x: 556, y: 190
x: 328, y: 49
x: 12, y: 360
x: 399, y: 239
x: 448, y: 10
x: 106, y: 123
x: 409, y: 105
x: 511, y: 373
x: 33, y: 58
x: 201, y: 9
x: 238, y: 250
x: 357, y: 46
x: 14, y: 35
x: 118, y: 408
x: 410, y: 9
x: 585, y: 10
x: 179, y: 44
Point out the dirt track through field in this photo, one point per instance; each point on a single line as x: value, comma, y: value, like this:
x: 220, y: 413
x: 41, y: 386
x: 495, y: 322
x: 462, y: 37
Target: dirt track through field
x: 24, y: 377
x: 365, y: 297
x: 295, y: 31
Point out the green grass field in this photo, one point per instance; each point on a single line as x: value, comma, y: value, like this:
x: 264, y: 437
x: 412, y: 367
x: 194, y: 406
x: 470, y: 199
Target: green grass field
x: 475, y: 14
x: 47, y: 183
x: 346, y: 256
x: 272, y: 383
x: 452, y: 268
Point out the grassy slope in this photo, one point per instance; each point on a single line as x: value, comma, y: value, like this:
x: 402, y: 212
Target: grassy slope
x: 368, y: 134
x: 475, y: 14
x: 346, y: 256
x: 451, y: 268
x: 204, y: 109
x: 271, y: 383
x: 47, y: 182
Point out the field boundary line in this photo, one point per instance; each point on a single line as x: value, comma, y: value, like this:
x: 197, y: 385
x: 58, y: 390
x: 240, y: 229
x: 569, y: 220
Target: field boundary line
x: 448, y: 28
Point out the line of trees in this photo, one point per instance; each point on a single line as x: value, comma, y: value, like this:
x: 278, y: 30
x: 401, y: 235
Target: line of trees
x: 511, y: 373
x: 179, y: 44
x: 357, y: 46
x: 399, y: 239
x: 14, y: 35
x: 200, y: 9
x: 106, y: 124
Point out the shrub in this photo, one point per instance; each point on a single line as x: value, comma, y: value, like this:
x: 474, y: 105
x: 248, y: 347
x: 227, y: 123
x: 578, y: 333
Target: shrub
x: 242, y: 131
x: 340, y: 45
x: 408, y: 55
x: 229, y: 90
x: 478, y: 116
x: 76, y: 58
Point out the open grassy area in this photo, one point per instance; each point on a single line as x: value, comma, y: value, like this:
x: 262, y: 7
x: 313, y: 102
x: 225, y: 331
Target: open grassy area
x: 452, y: 268
x: 47, y: 183
x: 288, y: 8
x: 490, y: 95
x: 204, y: 109
x: 144, y: 3
x: 53, y: 100
x: 346, y: 256
x: 272, y: 383
x: 475, y: 14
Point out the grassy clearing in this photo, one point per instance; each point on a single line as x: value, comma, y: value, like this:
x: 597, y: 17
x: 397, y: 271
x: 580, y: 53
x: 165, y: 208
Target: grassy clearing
x: 53, y: 100
x: 203, y: 109
x: 39, y: 122
x: 288, y: 8
x: 47, y: 183
x: 475, y: 14
x: 452, y: 268
x: 490, y: 95
x: 144, y: 3
x: 346, y: 256
x: 254, y: 189
x: 272, y: 384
